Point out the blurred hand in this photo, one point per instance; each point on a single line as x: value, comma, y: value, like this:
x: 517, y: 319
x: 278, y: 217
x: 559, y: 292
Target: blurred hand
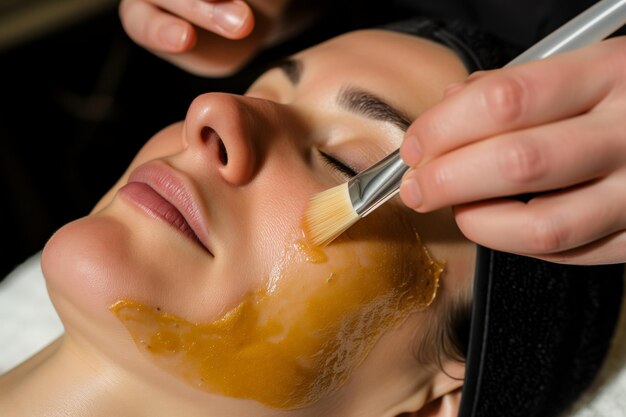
x: 554, y: 129
x: 204, y: 37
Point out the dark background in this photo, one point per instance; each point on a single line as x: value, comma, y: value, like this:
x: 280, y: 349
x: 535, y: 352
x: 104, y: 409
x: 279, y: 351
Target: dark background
x: 76, y: 103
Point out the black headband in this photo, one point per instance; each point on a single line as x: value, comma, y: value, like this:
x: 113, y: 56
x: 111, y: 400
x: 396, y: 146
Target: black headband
x: 539, y: 331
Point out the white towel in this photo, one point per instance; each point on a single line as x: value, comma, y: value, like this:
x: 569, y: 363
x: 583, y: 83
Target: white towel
x: 28, y: 321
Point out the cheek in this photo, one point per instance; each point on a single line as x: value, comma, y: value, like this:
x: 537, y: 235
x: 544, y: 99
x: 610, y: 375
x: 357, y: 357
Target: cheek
x: 272, y: 221
x: 81, y: 278
x: 92, y: 262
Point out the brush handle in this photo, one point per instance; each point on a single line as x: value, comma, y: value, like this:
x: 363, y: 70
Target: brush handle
x: 592, y: 25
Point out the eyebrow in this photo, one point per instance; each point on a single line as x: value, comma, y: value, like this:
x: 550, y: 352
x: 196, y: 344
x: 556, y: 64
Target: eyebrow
x: 351, y: 98
x: 359, y: 101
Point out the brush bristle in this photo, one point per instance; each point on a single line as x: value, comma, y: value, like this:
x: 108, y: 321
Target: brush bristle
x: 330, y: 213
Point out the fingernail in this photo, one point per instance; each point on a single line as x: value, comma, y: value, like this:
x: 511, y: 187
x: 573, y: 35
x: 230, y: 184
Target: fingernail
x: 174, y: 35
x: 411, y: 152
x: 230, y: 15
x: 411, y: 194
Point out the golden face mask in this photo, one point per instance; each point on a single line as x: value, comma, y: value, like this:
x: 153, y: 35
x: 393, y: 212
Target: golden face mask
x: 300, y: 338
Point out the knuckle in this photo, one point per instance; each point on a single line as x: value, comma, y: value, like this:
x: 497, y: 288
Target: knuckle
x: 422, y: 126
x: 438, y: 183
x: 432, y: 126
x: 440, y: 180
x: 522, y: 161
x: 545, y: 236
x: 504, y: 99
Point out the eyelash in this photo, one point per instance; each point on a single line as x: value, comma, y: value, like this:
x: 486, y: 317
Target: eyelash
x: 337, y: 165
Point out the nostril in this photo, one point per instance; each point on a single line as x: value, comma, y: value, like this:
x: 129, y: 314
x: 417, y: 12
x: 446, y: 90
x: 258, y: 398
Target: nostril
x: 223, y: 154
x: 208, y: 134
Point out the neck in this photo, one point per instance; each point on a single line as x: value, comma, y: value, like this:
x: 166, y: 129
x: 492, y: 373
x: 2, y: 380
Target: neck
x: 67, y: 379
x: 64, y: 379
x: 60, y: 380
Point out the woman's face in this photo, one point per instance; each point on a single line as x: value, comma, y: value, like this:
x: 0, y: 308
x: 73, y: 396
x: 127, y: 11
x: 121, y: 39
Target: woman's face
x: 205, y: 226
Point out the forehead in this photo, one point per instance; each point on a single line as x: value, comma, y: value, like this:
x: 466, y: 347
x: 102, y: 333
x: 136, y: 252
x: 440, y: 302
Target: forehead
x: 411, y: 72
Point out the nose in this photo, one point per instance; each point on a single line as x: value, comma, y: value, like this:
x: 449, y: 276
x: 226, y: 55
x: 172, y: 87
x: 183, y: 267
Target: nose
x: 221, y: 129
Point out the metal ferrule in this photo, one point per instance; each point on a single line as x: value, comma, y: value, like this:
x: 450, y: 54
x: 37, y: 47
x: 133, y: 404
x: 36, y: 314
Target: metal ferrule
x: 377, y: 184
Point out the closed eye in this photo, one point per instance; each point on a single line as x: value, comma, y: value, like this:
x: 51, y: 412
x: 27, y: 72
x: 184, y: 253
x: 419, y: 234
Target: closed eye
x: 337, y: 165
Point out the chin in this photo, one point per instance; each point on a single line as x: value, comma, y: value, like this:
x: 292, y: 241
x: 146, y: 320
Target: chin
x: 84, y: 265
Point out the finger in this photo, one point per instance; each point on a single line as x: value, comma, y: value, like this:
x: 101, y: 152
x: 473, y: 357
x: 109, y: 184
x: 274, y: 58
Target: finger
x: 609, y: 250
x: 538, y: 159
x: 410, y: 150
x: 231, y: 19
x: 513, y: 98
x: 411, y: 147
x: 154, y: 29
x: 549, y: 224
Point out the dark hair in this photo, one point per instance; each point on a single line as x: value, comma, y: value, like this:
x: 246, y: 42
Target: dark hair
x: 446, y: 333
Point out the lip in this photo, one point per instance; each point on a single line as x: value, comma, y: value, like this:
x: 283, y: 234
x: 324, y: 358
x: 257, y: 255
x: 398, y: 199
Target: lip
x: 164, y: 194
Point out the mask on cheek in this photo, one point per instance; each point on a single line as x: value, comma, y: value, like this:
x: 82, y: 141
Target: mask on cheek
x: 300, y: 338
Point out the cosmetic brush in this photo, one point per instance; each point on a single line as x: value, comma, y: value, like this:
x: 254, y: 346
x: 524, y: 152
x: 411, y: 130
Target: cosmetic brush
x: 333, y: 211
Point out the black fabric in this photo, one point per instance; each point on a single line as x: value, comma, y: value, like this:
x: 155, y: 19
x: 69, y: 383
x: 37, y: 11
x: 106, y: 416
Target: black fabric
x: 539, y: 331
x: 519, y: 22
x: 477, y: 49
x: 539, y: 334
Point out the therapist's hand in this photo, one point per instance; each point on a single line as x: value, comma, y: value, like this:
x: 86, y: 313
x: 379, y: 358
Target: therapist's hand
x: 204, y: 37
x: 554, y: 129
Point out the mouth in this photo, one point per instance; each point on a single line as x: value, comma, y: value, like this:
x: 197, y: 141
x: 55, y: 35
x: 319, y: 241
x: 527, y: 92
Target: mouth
x: 161, y: 194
